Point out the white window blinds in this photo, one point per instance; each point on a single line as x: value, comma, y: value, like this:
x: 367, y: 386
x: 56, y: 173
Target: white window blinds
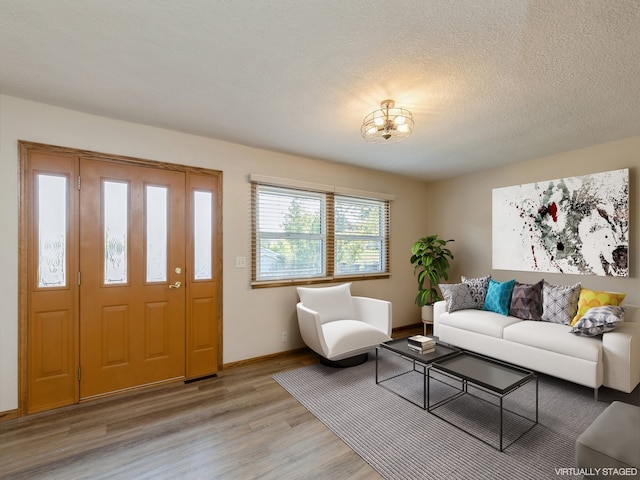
x: 302, y: 235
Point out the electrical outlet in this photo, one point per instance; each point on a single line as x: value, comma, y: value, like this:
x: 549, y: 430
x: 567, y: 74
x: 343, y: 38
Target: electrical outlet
x: 285, y: 337
x: 241, y: 262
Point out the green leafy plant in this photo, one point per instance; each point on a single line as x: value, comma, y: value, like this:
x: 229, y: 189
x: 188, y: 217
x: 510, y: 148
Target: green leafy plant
x: 430, y: 259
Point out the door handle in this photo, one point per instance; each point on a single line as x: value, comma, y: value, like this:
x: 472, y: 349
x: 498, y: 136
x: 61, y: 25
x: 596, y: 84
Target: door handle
x: 176, y: 285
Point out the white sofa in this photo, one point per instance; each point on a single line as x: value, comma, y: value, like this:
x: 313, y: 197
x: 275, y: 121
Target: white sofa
x: 612, y: 359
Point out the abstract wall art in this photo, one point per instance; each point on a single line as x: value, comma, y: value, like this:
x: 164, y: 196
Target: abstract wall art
x: 576, y: 225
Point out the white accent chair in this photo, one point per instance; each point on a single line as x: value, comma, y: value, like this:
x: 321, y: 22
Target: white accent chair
x: 341, y: 328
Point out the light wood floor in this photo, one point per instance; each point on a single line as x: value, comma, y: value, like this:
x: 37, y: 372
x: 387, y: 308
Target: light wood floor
x: 241, y: 425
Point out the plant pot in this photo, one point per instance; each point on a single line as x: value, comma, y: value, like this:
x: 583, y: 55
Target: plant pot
x: 427, y: 314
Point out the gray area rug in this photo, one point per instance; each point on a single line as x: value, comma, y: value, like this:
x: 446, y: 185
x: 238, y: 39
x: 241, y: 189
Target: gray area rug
x: 403, y: 441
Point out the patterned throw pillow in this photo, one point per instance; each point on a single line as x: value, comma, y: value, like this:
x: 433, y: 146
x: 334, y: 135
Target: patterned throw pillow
x: 559, y: 302
x: 498, y: 296
x: 598, y: 320
x: 526, y: 301
x: 593, y: 298
x: 478, y: 288
x: 457, y: 296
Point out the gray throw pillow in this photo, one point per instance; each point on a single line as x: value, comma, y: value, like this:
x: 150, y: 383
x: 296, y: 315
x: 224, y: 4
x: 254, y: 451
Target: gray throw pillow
x: 526, y: 301
x: 598, y: 320
x: 478, y: 288
x: 560, y: 302
x: 457, y: 296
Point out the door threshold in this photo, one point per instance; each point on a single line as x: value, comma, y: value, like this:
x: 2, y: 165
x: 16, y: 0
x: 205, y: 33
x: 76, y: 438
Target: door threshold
x: 131, y: 389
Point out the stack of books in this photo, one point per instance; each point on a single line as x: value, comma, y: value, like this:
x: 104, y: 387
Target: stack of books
x: 422, y: 344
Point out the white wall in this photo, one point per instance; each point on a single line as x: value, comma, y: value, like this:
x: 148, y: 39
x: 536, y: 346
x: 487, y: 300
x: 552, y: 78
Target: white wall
x: 252, y: 319
x: 462, y: 211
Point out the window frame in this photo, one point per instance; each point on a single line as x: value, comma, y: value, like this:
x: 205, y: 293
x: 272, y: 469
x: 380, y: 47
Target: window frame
x: 381, y: 237
x: 330, y: 235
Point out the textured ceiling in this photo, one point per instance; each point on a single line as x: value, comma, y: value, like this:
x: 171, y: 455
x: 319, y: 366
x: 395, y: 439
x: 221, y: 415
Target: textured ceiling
x: 488, y: 82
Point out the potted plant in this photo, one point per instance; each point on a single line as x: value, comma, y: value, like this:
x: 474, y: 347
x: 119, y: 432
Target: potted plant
x: 430, y: 260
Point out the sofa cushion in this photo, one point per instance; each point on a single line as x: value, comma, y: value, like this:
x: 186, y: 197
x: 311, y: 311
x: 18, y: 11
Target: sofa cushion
x: 594, y: 298
x: 332, y: 303
x: 343, y: 336
x: 526, y: 301
x: 553, y: 337
x: 478, y: 321
x: 478, y: 287
x: 457, y: 296
x: 559, y: 302
x: 598, y: 320
x: 498, y: 296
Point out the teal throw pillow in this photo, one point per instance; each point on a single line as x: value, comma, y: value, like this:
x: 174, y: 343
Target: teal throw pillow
x: 498, y: 297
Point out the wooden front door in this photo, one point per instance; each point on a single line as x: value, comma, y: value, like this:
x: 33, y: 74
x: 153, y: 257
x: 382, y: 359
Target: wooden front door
x: 120, y: 275
x: 132, y: 261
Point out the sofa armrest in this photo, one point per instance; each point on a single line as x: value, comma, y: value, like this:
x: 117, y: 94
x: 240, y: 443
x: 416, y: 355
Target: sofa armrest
x: 375, y: 312
x: 621, y: 356
x: 438, y: 308
x: 311, y: 329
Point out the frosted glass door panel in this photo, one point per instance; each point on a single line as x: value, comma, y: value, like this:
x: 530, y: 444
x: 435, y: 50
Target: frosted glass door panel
x: 203, y: 229
x: 116, y: 219
x: 156, y: 232
x: 52, y: 231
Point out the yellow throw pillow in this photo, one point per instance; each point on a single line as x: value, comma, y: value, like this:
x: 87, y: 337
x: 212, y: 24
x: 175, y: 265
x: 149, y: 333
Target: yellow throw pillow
x: 593, y: 298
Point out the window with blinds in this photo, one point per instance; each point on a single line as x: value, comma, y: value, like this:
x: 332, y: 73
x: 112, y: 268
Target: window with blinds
x: 291, y: 239
x: 360, y: 236
x: 305, y: 236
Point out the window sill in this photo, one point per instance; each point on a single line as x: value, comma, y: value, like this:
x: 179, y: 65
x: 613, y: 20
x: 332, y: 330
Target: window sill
x: 318, y: 281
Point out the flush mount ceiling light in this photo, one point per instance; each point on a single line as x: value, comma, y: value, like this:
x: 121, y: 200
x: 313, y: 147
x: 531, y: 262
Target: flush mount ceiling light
x: 388, y: 124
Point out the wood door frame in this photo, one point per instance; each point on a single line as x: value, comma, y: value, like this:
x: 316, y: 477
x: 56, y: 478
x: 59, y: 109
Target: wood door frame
x: 24, y: 147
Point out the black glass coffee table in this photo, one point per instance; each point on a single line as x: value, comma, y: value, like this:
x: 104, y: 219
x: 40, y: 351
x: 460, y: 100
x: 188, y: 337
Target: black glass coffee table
x: 411, y: 362
x: 470, y: 374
